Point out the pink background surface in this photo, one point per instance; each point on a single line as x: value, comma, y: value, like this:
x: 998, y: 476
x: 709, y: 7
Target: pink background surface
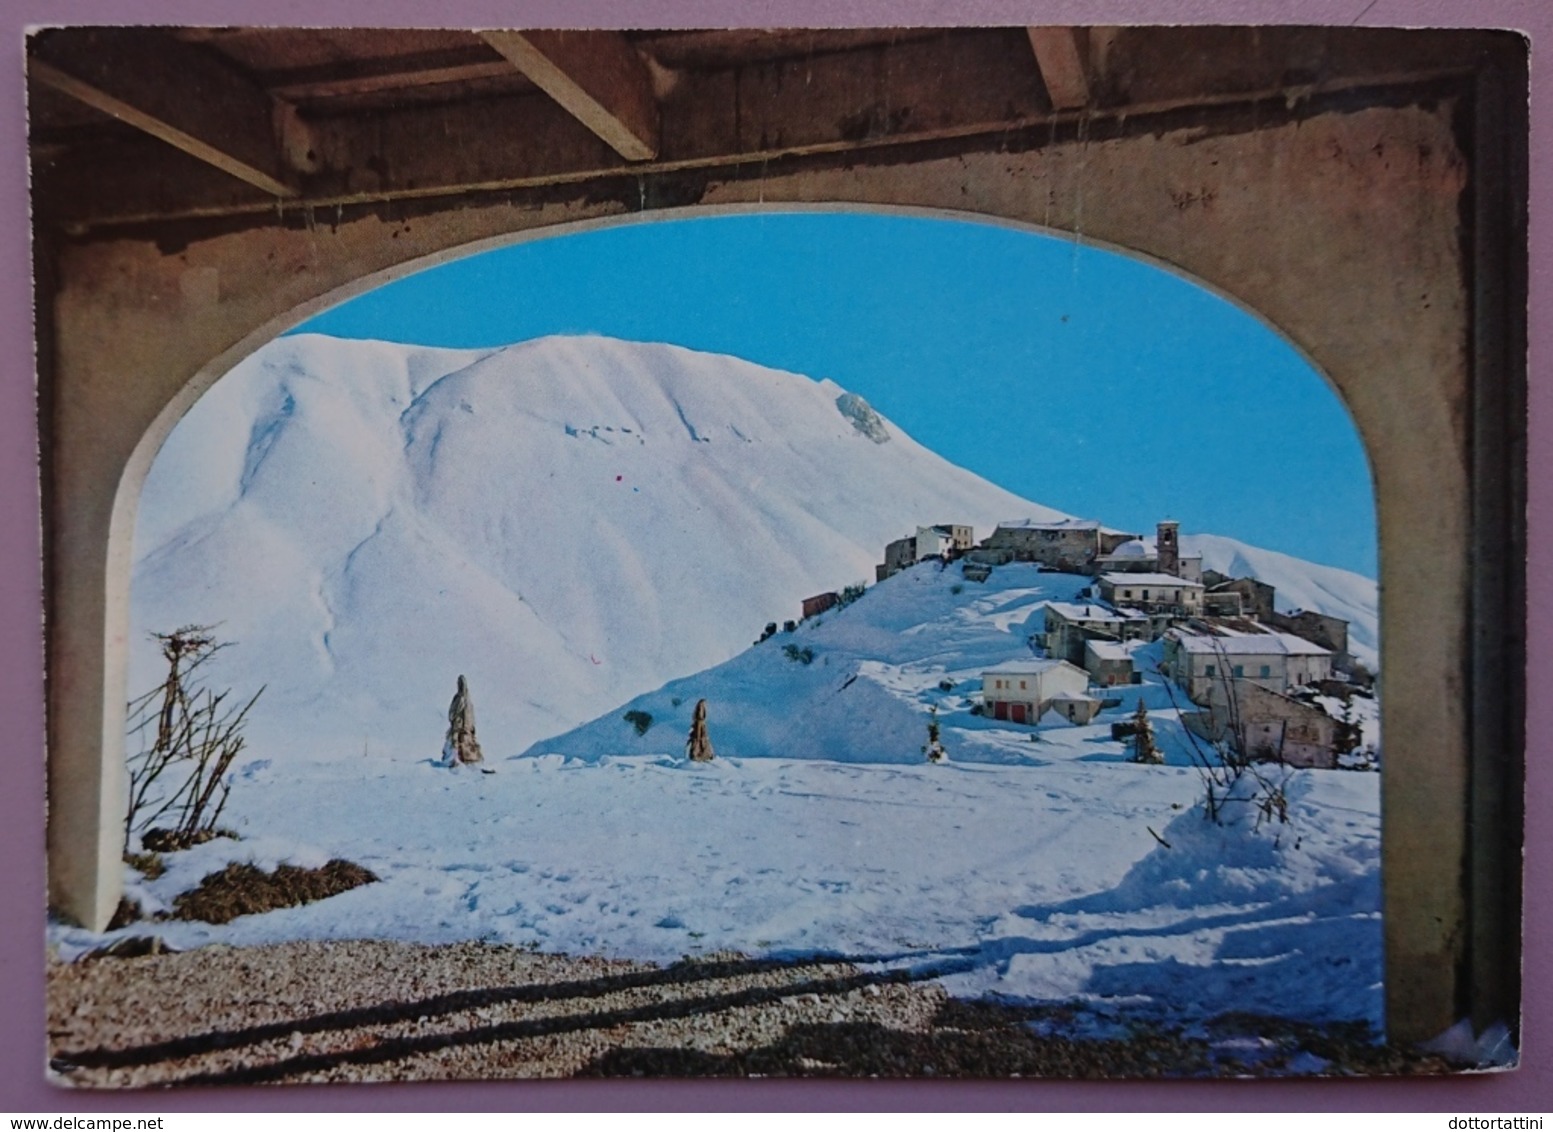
x: 23, y: 1087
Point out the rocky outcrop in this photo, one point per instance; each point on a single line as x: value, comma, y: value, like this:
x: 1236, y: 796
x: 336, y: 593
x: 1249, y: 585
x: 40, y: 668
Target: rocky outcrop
x: 863, y: 417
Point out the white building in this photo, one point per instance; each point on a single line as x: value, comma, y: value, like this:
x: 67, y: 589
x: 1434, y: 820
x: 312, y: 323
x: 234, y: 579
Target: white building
x: 1021, y: 690
x: 934, y: 542
x: 1199, y: 660
x: 1152, y: 592
x: 928, y: 542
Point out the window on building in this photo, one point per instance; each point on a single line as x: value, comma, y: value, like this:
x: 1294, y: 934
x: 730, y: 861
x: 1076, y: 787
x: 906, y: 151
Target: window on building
x: 1240, y: 670
x: 1267, y: 670
x: 1211, y: 670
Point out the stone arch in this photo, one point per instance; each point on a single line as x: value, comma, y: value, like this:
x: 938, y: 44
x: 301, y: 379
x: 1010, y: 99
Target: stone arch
x: 1357, y: 261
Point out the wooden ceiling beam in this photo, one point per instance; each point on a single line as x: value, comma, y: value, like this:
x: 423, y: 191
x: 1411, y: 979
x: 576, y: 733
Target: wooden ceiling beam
x: 597, y: 76
x: 299, y: 89
x: 173, y: 91
x: 885, y: 96
x: 1058, y: 54
x: 839, y: 103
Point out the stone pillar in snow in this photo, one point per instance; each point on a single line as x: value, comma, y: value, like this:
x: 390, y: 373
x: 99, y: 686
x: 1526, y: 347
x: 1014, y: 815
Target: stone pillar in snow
x: 699, y: 747
x: 461, y: 746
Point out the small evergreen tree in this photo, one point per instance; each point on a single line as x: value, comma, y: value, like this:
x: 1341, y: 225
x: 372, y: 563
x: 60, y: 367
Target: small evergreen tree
x: 935, y: 748
x: 1144, y: 749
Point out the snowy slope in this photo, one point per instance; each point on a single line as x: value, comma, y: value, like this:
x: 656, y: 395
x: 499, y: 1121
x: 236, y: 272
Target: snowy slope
x: 855, y: 684
x: 568, y: 522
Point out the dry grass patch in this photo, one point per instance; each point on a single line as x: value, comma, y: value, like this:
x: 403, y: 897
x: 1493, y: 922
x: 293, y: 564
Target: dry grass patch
x: 243, y: 890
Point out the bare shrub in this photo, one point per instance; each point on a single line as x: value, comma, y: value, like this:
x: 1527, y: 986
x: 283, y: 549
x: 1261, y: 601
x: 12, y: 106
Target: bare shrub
x: 189, y: 735
x: 1232, y: 774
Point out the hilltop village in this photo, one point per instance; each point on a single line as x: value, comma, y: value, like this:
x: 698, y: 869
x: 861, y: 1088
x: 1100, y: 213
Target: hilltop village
x: 1277, y: 685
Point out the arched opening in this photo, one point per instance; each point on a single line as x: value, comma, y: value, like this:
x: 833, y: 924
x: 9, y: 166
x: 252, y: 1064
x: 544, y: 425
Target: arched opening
x: 1328, y: 250
x: 1128, y: 436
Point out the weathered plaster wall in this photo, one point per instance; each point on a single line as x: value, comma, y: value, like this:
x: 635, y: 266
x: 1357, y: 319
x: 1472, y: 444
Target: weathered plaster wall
x: 1341, y: 229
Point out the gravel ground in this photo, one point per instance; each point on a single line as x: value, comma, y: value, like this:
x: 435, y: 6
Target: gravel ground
x: 381, y: 1011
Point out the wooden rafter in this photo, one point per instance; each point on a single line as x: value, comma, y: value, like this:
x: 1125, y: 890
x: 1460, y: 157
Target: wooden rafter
x: 1062, y: 66
x: 175, y: 92
x: 596, y: 76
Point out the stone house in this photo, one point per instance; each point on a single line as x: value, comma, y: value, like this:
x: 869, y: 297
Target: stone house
x: 1020, y: 691
x: 1164, y: 593
x: 1070, y: 625
x: 1066, y: 707
x: 1110, y: 662
x: 898, y: 555
x: 1256, y: 598
x: 1202, y: 658
x: 1272, y: 726
x: 1069, y: 545
x: 819, y: 603
x: 940, y: 540
x: 1223, y: 603
x: 1329, y: 632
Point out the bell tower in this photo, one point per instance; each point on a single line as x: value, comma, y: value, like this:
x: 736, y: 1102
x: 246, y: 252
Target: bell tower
x: 1167, y: 540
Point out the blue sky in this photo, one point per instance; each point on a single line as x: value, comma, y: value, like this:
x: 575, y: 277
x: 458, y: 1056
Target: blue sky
x: 1077, y: 377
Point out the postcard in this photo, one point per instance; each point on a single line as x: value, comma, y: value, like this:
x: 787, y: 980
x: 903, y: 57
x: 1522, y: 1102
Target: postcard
x: 953, y: 552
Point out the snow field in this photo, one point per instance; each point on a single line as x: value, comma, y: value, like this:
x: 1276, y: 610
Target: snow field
x: 1030, y: 882
x: 573, y: 522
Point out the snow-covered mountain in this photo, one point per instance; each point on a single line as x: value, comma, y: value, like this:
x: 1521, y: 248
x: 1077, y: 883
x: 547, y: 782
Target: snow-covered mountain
x: 569, y: 522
